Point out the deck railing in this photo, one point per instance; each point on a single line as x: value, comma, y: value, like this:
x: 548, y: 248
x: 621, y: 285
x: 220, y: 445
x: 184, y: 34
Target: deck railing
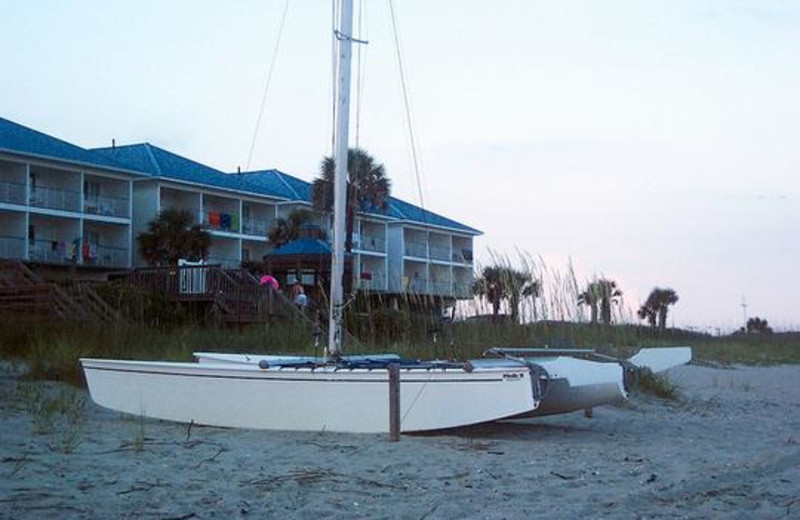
x: 12, y: 193
x: 106, y: 206
x: 12, y: 247
x: 55, y: 198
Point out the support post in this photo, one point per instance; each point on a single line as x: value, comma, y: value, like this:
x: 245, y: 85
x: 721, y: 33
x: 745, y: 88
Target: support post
x: 394, y: 402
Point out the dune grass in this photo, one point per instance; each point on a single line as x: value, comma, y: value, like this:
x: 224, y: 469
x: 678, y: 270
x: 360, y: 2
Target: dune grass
x: 51, y: 350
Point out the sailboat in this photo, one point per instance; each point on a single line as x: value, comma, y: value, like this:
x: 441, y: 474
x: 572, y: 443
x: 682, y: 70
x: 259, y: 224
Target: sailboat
x: 567, y: 380
x: 332, y: 394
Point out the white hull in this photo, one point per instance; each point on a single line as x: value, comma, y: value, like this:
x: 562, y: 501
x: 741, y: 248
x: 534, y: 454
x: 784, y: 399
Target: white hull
x: 305, y: 399
x: 572, y: 384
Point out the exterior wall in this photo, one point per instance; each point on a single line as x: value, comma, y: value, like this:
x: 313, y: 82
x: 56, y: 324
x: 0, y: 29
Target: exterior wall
x: 429, y: 261
x: 54, y: 213
x: 145, y: 209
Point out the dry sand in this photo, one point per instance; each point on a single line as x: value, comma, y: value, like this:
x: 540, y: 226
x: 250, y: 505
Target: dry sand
x: 729, y: 449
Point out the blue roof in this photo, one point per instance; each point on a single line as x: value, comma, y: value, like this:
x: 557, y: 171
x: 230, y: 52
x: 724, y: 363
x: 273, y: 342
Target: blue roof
x: 148, y: 159
x: 161, y: 163
x: 404, y: 211
x: 273, y: 181
x: 16, y: 138
x: 302, y: 246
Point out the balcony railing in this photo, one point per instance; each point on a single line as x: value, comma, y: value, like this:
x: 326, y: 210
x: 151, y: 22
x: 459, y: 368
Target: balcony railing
x: 12, y: 193
x: 253, y: 226
x: 376, y: 283
x: 224, y: 261
x: 441, y: 288
x: 50, y: 251
x: 462, y: 256
x: 462, y: 290
x: 105, y: 256
x: 107, y: 206
x: 417, y: 249
x: 54, y: 198
x: 372, y: 243
x: 220, y: 221
x: 12, y: 247
x: 440, y: 253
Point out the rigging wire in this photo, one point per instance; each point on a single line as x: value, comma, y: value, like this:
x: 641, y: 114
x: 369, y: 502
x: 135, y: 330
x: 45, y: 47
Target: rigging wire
x: 406, y: 102
x: 267, y: 83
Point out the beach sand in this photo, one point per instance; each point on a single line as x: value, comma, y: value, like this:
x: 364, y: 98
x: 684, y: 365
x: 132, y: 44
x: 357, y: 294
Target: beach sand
x: 730, y: 448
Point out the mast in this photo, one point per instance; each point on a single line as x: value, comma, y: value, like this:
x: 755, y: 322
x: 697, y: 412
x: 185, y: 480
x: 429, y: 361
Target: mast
x: 344, y: 50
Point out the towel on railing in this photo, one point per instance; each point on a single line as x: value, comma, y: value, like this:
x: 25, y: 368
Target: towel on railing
x: 235, y: 222
x: 225, y: 221
x: 213, y: 219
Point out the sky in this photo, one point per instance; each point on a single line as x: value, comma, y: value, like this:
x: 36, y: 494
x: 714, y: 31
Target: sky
x: 654, y: 142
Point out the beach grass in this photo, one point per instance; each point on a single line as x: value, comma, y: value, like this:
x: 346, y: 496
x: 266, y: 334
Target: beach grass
x: 51, y: 350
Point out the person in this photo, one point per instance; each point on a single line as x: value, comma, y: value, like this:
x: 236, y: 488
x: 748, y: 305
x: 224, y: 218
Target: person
x: 298, y: 295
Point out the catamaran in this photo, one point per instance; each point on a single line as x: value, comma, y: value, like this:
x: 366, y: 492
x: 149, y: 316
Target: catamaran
x: 566, y: 380
x: 332, y: 395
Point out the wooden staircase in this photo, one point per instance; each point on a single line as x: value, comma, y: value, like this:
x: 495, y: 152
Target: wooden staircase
x: 23, y: 292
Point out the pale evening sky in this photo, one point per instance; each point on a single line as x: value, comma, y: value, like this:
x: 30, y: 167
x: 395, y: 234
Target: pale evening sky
x: 653, y: 142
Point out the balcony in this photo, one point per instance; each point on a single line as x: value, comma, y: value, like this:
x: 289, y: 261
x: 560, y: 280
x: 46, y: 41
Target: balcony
x: 376, y: 283
x: 12, y: 247
x: 439, y: 288
x: 416, y: 249
x: 54, y: 198
x: 106, y: 206
x: 440, y: 253
x: 372, y: 243
x: 106, y: 256
x: 462, y: 289
x: 12, y: 193
x: 50, y: 251
x: 254, y: 226
x: 217, y: 221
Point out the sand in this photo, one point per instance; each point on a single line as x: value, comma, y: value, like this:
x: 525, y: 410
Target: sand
x: 729, y: 449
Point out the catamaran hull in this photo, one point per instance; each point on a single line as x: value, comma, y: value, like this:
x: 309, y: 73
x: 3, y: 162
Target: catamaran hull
x: 572, y: 384
x: 322, y: 399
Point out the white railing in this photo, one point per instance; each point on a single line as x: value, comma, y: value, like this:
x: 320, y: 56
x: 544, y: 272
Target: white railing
x: 54, y: 198
x: 440, y: 288
x: 107, y: 206
x: 372, y: 243
x: 376, y: 283
x: 12, y: 247
x: 462, y: 290
x: 106, y: 256
x: 462, y: 256
x: 440, y: 253
x: 12, y: 193
x: 51, y: 251
x: 232, y: 263
x: 254, y: 226
x: 416, y: 249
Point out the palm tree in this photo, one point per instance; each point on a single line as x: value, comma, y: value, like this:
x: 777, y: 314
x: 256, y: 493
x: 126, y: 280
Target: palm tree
x: 519, y: 285
x: 287, y: 229
x: 171, y: 236
x: 488, y: 286
x: 367, y: 188
x: 498, y: 283
x: 656, y: 307
x: 599, y: 296
x: 589, y: 297
x: 757, y: 325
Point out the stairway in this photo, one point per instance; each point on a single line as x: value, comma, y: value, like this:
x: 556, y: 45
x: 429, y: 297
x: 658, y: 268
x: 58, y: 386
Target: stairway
x: 23, y: 292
